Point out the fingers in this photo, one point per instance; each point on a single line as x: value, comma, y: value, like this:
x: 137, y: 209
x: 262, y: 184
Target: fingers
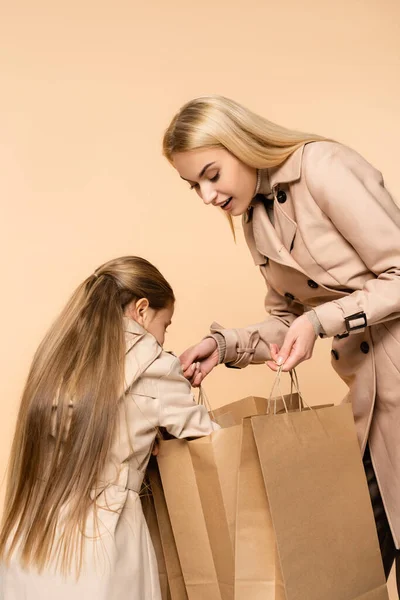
x: 297, y: 356
x: 197, y: 380
x: 292, y: 361
x: 298, y: 344
x: 286, y: 350
x: 187, y: 359
x: 190, y: 371
x: 272, y: 365
x: 197, y: 362
x: 200, y: 351
x: 195, y: 374
x: 274, y: 350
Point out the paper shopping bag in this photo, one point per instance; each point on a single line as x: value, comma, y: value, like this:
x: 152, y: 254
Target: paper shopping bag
x: 257, y: 568
x: 152, y: 523
x: 199, y: 479
x: 320, y: 505
x: 235, y: 412
x: 169, y: 561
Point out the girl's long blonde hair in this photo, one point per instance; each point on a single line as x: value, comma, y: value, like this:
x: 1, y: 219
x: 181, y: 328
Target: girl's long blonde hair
x: 68, y: 414
x: 215, y: 121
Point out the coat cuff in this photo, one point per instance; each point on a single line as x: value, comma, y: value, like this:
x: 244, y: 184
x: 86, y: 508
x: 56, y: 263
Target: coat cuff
x: 221, y: 345
x: 228, y: 344
x: 315, y: 322
x: 333, y: 316
x: 238, y: 352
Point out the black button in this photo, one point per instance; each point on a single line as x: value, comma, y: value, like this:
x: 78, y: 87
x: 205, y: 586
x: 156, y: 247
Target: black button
x: 290, y: 296
x: 335, y: 354
x: 281, y: 196
x: 364, y: 347
x: 312, y: 284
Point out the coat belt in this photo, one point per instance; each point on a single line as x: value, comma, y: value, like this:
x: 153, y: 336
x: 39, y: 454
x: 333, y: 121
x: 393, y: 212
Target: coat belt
x: 135, y: 480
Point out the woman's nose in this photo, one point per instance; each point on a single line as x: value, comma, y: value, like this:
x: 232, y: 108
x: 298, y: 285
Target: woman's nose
x: 209, y: 195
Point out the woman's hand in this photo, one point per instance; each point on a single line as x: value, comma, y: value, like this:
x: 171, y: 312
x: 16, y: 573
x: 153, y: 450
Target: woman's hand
x: 199, y: 360
x: 297, y: 346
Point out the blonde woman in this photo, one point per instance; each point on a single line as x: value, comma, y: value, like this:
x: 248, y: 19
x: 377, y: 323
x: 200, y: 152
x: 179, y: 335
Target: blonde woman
x: 325, y: 234
x: 99, y: 387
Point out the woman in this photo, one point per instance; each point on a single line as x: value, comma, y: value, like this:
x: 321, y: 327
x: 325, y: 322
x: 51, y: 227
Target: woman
x: 325, y: 234
x: 99, y: 387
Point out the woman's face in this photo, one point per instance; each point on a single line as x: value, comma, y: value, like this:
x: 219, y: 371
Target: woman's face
x: 218, y: 177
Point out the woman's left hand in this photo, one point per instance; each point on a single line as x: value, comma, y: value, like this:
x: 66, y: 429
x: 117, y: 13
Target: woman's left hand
x: 297, y: 346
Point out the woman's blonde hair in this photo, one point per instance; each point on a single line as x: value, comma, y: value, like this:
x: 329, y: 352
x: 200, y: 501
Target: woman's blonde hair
x: 215, y: 121
x: 68, y: 414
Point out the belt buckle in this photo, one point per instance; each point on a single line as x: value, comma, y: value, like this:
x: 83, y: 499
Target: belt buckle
x: 355, y: 317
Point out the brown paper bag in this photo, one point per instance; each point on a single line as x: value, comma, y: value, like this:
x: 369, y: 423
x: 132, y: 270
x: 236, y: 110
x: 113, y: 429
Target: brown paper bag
x: 199, y: 479
x: 235, y: 412
x: 169, y: 563
x: 257, y: 568
x: 152, y: 523
x: 320, y: 506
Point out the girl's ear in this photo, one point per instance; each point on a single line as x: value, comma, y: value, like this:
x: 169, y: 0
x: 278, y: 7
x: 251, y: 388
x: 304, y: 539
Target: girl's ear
x: 137, y: 310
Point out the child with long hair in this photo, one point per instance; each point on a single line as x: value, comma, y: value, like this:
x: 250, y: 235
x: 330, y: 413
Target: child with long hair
x: 99, y: 387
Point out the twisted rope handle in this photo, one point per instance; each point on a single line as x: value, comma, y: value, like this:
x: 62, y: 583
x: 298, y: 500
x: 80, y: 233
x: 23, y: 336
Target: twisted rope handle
x: 294, y: 384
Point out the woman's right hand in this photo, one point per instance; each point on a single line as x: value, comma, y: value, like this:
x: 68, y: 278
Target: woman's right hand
x: 199, y: 360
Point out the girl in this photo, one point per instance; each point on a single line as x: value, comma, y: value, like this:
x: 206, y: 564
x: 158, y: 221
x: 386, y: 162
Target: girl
x: 325, y: 234
x: 99, y: 387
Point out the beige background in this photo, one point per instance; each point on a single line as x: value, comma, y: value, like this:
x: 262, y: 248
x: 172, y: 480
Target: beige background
x: 87, y: 89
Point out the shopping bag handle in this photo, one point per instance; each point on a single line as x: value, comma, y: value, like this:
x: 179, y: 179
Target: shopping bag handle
x: 294, y: 383
x: 204, y: 401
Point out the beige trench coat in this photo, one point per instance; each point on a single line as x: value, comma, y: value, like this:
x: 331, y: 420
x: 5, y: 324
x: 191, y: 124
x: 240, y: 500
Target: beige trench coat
x: 120, y: 563
x: 335, y: 247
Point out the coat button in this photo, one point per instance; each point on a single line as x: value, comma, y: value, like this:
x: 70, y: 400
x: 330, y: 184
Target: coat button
x: 290, y: 296
x: 281, y: 196
x: 364, y: 347
x: 312, y: 284
x: 335, y: 354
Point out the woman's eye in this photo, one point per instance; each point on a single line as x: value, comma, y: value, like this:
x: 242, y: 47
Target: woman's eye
x: 215, y: 178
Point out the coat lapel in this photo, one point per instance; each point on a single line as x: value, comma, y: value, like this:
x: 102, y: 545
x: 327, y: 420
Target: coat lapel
x: 262, y: 237
x: 284, y: 226
x: 266, y: 239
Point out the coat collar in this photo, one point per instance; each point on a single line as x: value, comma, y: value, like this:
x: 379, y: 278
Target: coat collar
x: 288, y: 171
x: 147, y: 349
x: 131, y: 326
x: 134, y: 333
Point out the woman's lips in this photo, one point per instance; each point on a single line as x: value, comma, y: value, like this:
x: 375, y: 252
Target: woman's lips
x: 226, y: 205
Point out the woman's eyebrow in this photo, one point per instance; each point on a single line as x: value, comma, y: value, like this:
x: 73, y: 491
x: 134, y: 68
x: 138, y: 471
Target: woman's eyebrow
x: 204, y: 169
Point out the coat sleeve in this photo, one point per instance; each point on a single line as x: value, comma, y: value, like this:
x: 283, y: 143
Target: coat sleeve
x: 351, y: 193
x: 178, y: 412
x: 250, y: 345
